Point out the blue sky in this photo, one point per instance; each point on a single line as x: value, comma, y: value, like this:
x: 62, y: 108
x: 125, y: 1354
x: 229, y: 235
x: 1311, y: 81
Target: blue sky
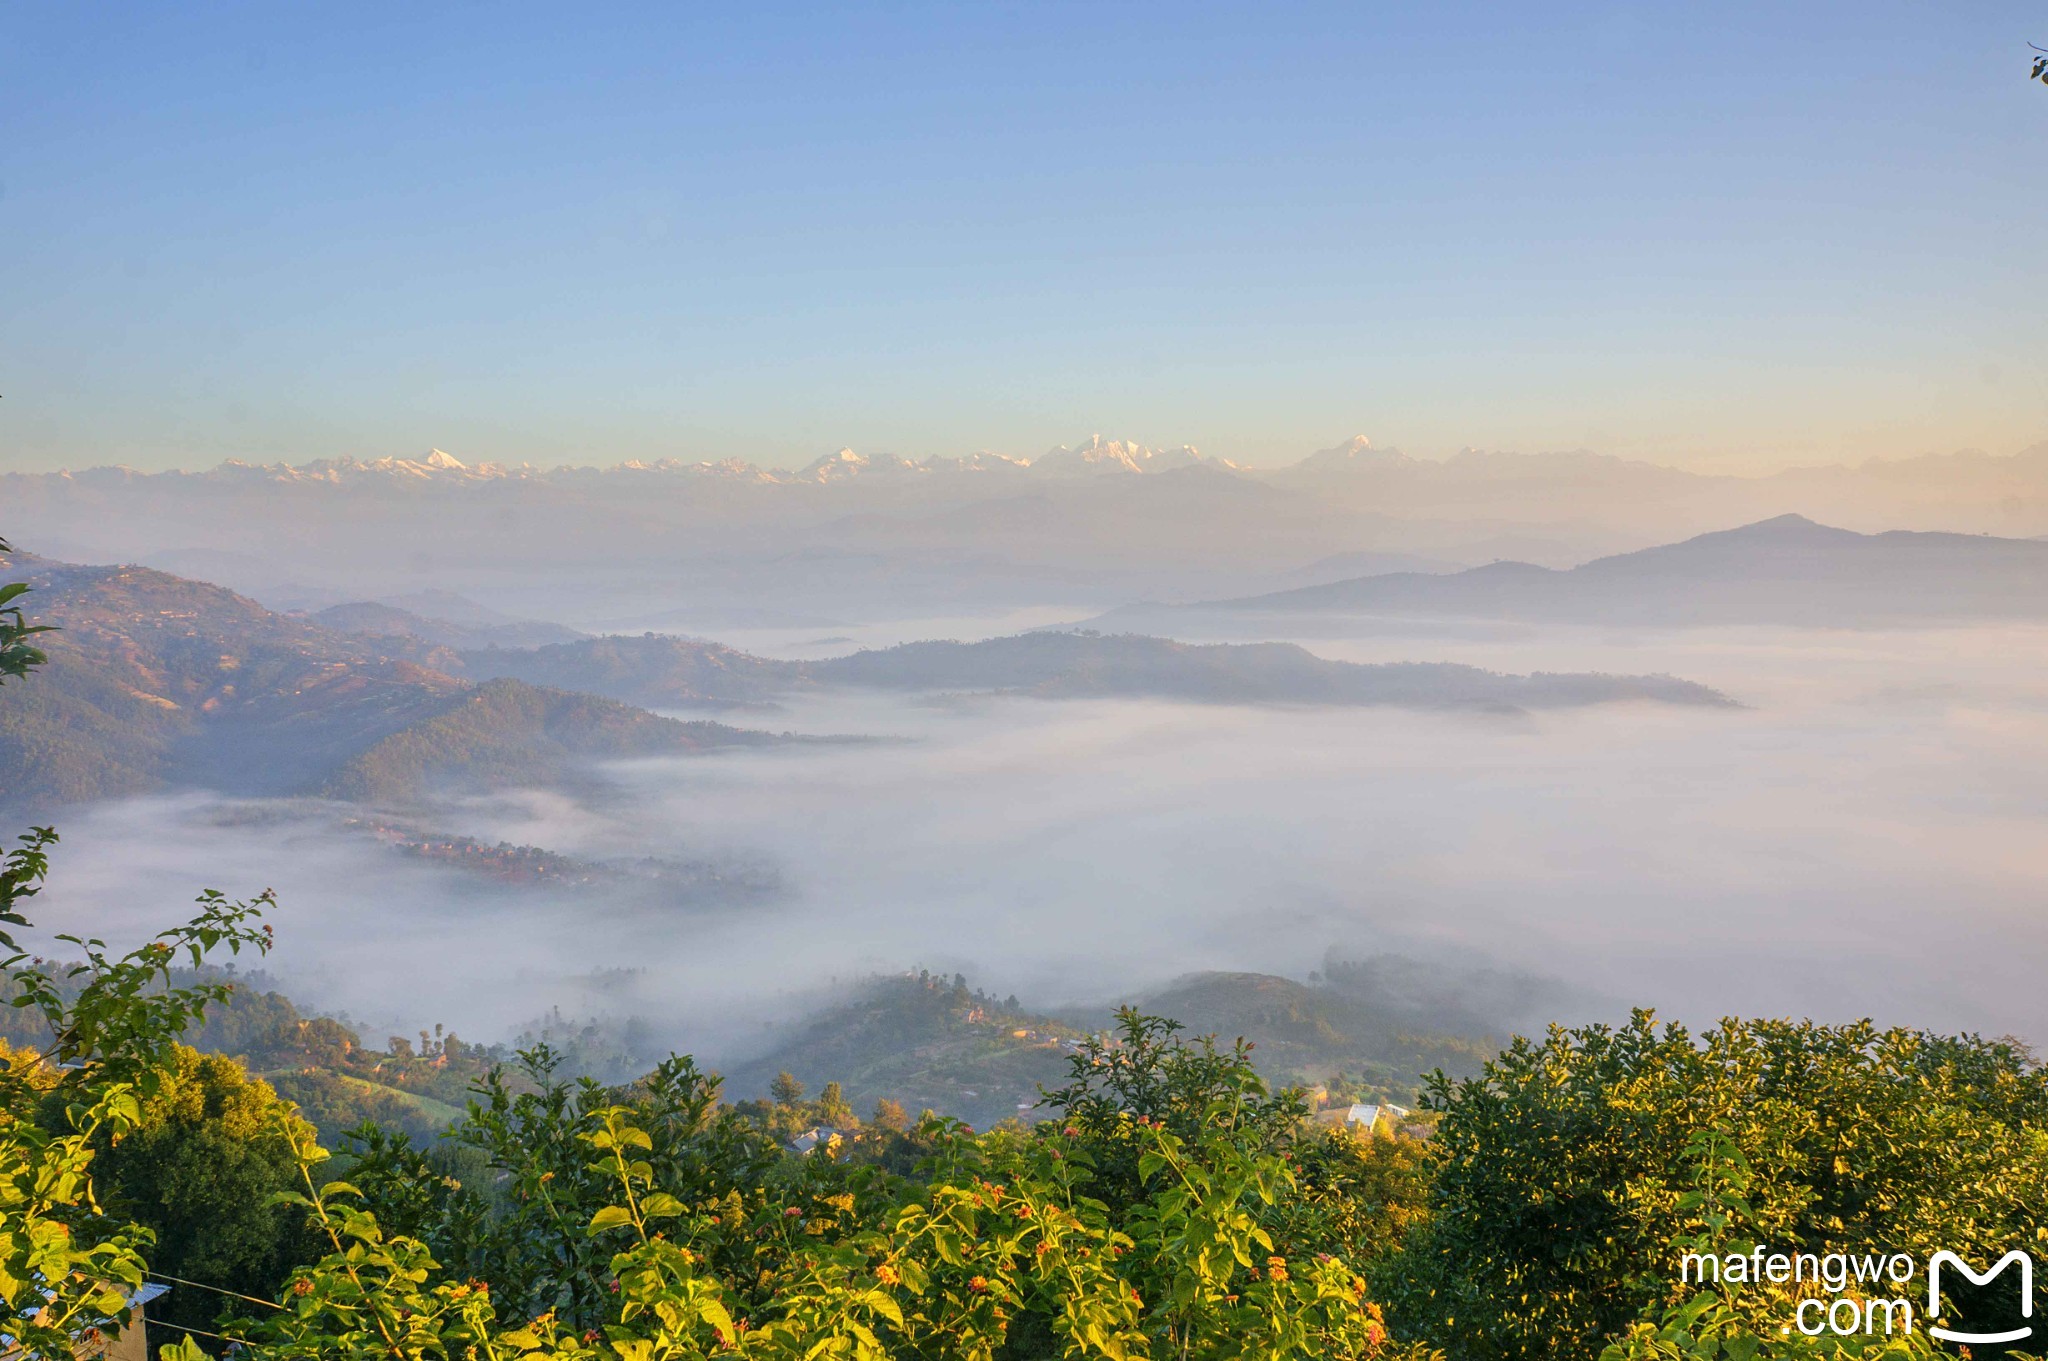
x: 1729, y: 236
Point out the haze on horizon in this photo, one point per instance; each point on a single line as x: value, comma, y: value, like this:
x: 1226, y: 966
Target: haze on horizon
x: 1732, y: 241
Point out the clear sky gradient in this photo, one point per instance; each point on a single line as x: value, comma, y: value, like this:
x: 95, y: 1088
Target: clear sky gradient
x: 1731, y: 236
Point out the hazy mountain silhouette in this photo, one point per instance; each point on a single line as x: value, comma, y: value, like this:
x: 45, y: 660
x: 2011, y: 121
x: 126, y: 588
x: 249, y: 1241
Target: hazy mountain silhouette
x: 1787, y: 570
x: 655, y: 669
x: 709, y: 545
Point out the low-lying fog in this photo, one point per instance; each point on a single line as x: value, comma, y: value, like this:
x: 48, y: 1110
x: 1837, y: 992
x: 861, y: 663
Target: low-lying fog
x: 1866, y: 838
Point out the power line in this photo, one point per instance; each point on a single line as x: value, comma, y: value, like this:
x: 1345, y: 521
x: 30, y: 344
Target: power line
x: 201, y: 1285
x: 166, y: 1323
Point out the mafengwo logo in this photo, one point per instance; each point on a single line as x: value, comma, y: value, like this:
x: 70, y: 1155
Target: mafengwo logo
x: 1850, y: 1293
x: 2024, y: 1282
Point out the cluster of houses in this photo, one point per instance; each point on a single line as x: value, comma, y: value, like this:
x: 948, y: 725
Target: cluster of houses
x: 1046, y: 1039
x: 1365, y: 1116
x: 811, y: 1138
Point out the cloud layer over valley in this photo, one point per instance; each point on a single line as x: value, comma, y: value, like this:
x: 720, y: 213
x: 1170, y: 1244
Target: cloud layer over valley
x: 1861, y: 839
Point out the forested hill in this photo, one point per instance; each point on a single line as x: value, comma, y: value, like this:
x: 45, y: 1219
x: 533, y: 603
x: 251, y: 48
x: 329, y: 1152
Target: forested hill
x: 660, y: 670
x: 1074, y: 665
x: 155, y: 682
x: 651, y: 668
x: 926, y: 1041
x: 383, y: 619
x: 919, y: 1040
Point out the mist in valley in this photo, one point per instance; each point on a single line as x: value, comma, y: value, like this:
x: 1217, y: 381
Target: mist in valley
x: 1859, y: 839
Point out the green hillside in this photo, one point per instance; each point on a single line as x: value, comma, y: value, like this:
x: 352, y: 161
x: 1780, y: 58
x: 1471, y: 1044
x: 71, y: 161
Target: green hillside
x: 157, y: 682
x: 928, y: 1042
x: 925, y: 1042
x: 1319, y: 1033
x: 505, y: 732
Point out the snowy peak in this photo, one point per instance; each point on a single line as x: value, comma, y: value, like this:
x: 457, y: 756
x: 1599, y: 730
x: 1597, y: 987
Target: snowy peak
x: 1096, y: 456
x: 1352, y: 455
x: 831, y: 467
x: 846, y: 463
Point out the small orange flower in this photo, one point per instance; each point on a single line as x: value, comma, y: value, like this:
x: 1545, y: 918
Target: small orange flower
x: 978, y: 1284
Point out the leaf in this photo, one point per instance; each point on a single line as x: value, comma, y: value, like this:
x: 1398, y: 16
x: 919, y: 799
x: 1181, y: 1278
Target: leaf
x: 610, y: 1217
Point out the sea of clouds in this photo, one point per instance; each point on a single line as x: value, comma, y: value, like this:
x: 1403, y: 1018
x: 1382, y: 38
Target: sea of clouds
x: 1864, y: 838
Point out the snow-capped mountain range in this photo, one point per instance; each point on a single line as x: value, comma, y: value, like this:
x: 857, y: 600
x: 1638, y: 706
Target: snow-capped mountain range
x: 1094, y: 524
x: 1092, y: 457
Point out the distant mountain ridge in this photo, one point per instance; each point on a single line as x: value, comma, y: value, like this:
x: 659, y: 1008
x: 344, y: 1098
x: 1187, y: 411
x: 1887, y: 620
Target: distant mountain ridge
x: 1086, y: 527
x: 659, y: 670
x: 1094, y: 456
x: 1091, y: 665
x: 158, y: 682
x: 1786, y: 570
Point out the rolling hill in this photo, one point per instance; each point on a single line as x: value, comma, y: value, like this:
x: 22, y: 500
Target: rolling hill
x: 158, y: 682
x: 1787, y: 570
x: 926, y: 1042
x: 1382, y: 1022
x: 1058, y: 665
x: 651, y: 668
x: 381, y: 619
x: 655, y: 669
x: 932, y: 1043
